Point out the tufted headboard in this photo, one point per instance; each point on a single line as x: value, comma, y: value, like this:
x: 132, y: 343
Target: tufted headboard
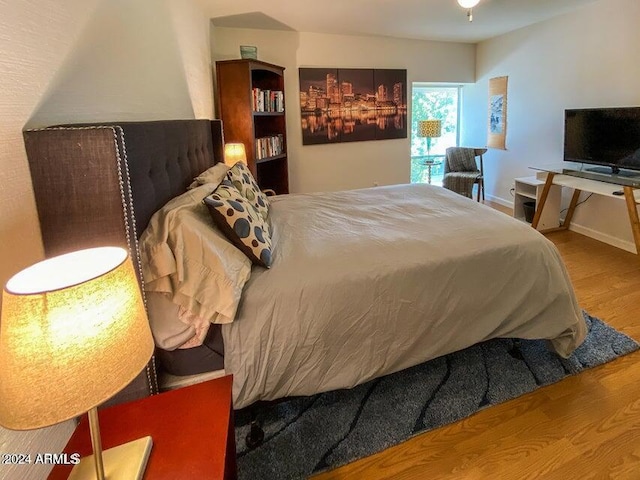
x: 99, y: 184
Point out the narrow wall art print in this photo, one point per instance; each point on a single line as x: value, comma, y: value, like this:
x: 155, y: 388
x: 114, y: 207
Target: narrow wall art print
x: 352, y: 104
x: 497, y: 113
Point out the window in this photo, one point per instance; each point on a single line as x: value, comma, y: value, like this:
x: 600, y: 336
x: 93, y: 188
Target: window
x: 433, y: 102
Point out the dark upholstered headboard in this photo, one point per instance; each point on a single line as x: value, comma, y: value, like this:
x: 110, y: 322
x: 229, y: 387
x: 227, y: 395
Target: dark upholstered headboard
x: 86, y: 176
x: 99, y: 184
x: 164, y: 158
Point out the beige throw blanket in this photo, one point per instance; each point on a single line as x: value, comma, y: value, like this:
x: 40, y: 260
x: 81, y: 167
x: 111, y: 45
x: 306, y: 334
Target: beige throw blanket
x: 461, y: 170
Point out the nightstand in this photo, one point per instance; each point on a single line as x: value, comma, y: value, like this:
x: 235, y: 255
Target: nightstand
x: 192, y: 430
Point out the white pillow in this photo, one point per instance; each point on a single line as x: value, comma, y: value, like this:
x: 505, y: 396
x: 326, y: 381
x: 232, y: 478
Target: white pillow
x: 214, y: 174
x: 185, y: 257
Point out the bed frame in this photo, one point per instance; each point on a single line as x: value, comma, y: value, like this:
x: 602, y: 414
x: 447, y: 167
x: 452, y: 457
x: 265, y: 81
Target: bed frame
x: 99, y: 184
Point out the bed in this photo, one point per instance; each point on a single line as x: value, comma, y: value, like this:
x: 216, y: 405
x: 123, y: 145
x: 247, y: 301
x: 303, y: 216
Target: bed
x: 365, y: 282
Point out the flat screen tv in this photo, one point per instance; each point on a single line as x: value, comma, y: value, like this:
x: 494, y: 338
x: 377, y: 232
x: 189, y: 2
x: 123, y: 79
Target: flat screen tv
x: 603, y: 136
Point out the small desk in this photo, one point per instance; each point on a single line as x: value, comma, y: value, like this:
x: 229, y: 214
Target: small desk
x: 566, y: 178
x: 192, y: 430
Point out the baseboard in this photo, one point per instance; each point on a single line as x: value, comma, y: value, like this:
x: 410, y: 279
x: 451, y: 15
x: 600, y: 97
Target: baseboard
x: 587, y: 232
x: 603, y: 237
x: 499, y: 201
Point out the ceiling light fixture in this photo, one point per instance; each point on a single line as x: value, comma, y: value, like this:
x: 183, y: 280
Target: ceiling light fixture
x: 469, y: 4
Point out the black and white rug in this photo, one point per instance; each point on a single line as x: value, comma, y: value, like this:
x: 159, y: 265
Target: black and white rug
x: 307, y: 435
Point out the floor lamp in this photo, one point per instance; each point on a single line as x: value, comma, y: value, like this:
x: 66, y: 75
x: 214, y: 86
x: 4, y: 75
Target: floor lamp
x: 73, y: 333
x: 429, y: 129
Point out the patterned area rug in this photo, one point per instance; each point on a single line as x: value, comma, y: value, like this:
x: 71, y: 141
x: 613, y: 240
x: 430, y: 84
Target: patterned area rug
x: 307, y: 435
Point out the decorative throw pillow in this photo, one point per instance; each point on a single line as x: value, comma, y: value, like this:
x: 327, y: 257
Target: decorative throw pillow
x: 240, y: 176
x: 240, y: 223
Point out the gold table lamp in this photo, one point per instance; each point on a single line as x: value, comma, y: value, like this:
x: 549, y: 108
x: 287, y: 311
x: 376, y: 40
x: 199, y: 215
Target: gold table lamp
x: 234, y: 153
x: 73, y: 333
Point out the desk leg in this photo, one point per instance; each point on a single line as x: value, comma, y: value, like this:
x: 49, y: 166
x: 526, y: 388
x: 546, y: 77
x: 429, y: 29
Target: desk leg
x: 543, y: 199
x: 633, y: 215
x: 572, y: 208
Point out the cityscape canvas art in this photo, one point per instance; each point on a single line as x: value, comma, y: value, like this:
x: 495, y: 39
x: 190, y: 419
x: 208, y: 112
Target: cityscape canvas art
x: 352, y: 104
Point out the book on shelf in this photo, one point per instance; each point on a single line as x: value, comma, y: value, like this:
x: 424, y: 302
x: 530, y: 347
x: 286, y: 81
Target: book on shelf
x: 269, y: 146
x: 267, y: 100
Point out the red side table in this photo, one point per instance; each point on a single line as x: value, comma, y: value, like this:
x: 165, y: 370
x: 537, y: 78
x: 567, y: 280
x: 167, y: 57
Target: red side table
x: 192, y: 430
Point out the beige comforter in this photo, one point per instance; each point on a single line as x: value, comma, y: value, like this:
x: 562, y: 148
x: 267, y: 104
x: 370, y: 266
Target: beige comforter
x: 368, y: 282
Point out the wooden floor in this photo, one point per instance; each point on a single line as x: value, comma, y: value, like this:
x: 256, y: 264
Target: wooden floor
x: 584, y: 427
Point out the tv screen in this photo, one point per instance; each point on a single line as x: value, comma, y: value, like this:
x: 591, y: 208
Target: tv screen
x: 603, y: 136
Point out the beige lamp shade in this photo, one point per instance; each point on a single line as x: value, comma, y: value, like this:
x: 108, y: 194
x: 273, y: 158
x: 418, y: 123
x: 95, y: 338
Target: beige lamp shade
x: 234, y: 153
x: 73, y: 332
x: 429, y: 128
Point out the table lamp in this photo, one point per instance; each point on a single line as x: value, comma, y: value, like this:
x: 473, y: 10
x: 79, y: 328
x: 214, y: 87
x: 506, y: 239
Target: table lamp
x: 429, y: 129
x: 234, y: 153
x: 73, y: 333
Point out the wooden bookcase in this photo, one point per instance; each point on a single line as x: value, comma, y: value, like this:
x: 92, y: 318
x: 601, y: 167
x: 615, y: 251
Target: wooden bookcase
x: 237, y: 83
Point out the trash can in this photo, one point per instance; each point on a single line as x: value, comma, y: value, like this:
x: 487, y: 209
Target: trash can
x: 529, y: 210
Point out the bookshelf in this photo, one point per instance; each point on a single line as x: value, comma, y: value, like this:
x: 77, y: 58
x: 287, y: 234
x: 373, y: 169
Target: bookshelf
x: 250, y: 103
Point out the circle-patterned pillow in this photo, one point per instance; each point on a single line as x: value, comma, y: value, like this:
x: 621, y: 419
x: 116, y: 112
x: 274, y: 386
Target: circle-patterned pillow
x: 240, y: 177
x: 240, y: 223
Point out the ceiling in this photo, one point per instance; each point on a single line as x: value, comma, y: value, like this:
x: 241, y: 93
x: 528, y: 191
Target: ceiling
x: 441, y: 20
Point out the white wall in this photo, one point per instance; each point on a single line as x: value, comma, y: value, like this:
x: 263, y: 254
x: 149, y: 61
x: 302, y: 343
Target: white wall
x: 85, y: 60
x: 131, y: 63
x: 191, y: 29
x: 589, y: 58
x: 36, y: 38
x: 346, y: 165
